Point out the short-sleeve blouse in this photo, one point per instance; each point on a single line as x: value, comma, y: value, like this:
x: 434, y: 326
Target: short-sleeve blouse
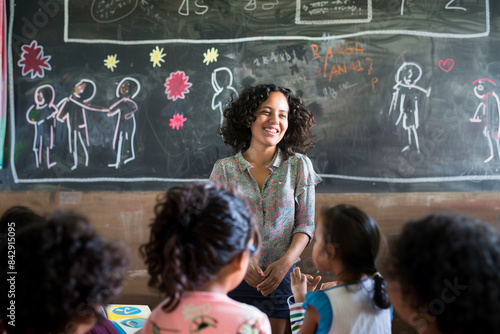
x: 286, y: 204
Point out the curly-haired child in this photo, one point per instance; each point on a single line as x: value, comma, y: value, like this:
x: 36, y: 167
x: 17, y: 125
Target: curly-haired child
x: 201, y: 242
x: 61, y: 276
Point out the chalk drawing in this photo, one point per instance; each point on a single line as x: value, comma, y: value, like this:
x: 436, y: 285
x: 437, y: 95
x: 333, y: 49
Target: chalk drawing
x: 405, y: 99
x: 488, y: 112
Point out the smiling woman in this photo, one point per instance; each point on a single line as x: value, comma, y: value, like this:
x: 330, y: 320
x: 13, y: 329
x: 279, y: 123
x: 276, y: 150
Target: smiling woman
x: 269, y: 126
x: 269, y: 129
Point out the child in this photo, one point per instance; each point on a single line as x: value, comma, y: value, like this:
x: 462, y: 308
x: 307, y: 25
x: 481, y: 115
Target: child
x: 201, y: 242
x: 346, y: 244
x: 57, y: 275
x: 269, y: 130
x: 443, y: 275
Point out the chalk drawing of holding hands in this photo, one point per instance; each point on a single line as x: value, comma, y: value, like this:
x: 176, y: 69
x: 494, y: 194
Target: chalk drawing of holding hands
x: 124, y: 109
x: 73, y: 111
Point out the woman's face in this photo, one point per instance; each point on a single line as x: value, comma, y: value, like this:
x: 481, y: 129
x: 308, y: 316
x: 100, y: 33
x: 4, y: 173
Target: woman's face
x: 271, y: 121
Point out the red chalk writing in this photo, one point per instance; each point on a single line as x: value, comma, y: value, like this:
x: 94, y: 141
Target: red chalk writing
x: 338, y: 60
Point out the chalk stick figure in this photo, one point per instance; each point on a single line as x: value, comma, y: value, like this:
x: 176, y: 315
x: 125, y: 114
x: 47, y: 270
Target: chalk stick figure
x: 405, y: 98
x: 488, y: 112
x: 124, y: 109
x: 73, y: 111
x: 42, y: 115
x: 222, y: 83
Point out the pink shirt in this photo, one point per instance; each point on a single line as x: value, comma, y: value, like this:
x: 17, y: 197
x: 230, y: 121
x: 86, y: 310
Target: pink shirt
x: 209, y: 313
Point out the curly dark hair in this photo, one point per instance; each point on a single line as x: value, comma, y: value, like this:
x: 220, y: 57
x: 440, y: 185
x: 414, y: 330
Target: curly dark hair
x: 450, y: 265
x: 240, y: 113
x: 356, y: 238
x: 64, y: 272
x: 197, y: 230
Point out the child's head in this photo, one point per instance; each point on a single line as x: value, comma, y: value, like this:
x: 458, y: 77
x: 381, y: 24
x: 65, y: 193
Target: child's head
x: 240, y: 113
x: 353, y: 236
x: 444, y: 272
x: 63, y: 273
x: 349, y: 235
x: 16, y: 218
x: 197, y: 231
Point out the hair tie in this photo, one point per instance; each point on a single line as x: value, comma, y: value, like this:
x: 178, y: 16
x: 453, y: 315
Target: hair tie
x: 377, y: 274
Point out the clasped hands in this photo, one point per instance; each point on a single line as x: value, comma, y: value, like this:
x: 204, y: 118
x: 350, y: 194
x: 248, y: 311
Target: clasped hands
x: 266, y: 281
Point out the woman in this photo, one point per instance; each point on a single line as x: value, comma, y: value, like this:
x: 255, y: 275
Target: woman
x: 269, y: 130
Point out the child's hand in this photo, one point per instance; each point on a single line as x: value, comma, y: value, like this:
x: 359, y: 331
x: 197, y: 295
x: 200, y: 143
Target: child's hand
x: 300, y: 284
x: 328, y: 285
x: 312, y: 282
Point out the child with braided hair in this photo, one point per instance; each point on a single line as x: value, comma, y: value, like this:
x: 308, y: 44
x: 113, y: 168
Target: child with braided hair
x: 346, y: 244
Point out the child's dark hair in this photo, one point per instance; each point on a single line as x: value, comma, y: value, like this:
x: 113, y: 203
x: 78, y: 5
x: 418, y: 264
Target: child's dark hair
x: 454, y: 261
x: 19, y: 217
x: 240, y: 113
x: 65, y: 271
x: 197, y: 230
x: 356, y: 238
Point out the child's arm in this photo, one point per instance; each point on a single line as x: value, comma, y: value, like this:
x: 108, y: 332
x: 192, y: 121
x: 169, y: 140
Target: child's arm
x: 300, y: 286
x: 302, y: 321
x: 311, y: 321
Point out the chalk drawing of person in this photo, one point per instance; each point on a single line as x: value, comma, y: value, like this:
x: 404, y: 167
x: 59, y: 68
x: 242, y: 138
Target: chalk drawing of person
x: 124, y: 109
x: 405, y: 99
x: 222, y: 83
x: 42, y: 115
x: 488, y: 111
x: 73, y: 111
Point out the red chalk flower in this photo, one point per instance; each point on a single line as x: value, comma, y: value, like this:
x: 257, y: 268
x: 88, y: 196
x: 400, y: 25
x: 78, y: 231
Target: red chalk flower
x: 177, y: 85
x: 177, y: 121
x: 33, y: 61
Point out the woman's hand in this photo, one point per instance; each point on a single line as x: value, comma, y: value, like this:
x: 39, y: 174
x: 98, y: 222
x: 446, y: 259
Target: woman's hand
x: 301, y: 284
x: 274, y: 275
x: 254, y: 275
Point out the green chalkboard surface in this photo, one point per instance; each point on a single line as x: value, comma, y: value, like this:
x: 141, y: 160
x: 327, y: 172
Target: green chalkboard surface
x: 129, y: 93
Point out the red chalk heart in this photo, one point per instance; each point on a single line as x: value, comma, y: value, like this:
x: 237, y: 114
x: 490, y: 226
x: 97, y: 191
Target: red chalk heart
x: 446, y: 65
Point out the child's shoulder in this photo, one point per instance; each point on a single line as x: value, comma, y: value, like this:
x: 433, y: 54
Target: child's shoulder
x: 226, y: 312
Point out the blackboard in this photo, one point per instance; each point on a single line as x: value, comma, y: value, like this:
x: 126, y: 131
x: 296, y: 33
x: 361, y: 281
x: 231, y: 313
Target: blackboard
x: 130, y: 92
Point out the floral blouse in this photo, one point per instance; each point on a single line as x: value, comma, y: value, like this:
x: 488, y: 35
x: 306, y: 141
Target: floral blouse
x: 286, y: 204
